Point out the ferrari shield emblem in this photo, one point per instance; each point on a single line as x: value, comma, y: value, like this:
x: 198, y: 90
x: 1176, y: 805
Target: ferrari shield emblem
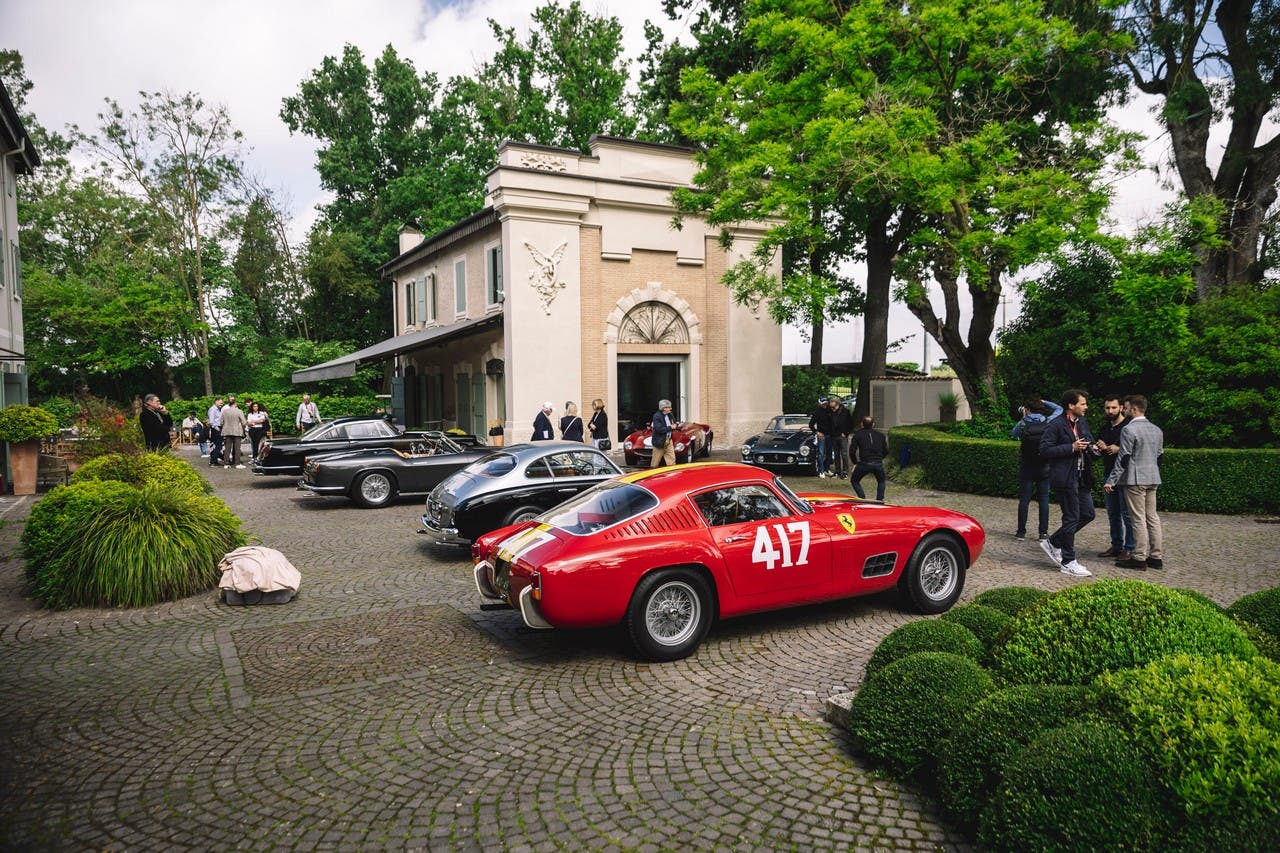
x: 847, y: 522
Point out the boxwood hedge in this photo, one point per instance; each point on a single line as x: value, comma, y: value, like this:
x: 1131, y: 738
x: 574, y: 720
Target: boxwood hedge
x: 925, y: 635
x: 1084, y: 630
x: 144, y: 469
x: 1084, y: 786
x: 985, y: 622
x: 904, y: 710
x: 1011, y: 599
x: 1242, y: 479
x: 1214, y: 725
x: 1260, y: 608
x: 971, y: 761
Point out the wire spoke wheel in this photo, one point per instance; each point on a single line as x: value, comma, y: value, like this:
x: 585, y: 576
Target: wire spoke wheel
x: 375, y: 489
x: 673, y: 613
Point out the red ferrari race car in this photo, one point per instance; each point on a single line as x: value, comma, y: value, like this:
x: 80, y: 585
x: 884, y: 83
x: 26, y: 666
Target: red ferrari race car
x: 665, y: 552
x: 691, y: 440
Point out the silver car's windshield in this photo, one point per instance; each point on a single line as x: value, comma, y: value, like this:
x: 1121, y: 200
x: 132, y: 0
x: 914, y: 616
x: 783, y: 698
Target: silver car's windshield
x: 601, y: 506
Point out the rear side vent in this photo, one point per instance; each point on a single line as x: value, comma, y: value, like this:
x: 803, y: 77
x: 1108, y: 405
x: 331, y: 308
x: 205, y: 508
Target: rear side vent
x: 673, y: 520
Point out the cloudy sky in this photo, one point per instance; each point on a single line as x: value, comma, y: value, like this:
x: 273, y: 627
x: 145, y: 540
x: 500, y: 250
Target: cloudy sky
x: 250, y: 54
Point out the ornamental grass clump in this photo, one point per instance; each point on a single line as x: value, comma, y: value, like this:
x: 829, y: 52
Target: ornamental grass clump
x: 109, y: 544
x: 1084, y: 786
x: 971, y: 761
x: 1260, y: 608
x: 1214, y: 725
x: 924, y: 635
x: 905, y: 709
x: 144, y: 469
x: 1011, y: 599
x: 985, y: 622
x: 1083, y: 631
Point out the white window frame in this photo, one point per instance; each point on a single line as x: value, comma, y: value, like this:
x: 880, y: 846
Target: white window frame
x: 432, y: 295
x: 460, y: 286
x: 421, y: 311
x: 493, y: 283
x: 409, y: 299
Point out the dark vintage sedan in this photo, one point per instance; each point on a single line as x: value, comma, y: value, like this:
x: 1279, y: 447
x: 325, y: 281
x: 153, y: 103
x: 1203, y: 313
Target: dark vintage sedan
x: 285, y: 455
x: 377, y: 476
x: 511, y: 485
x: 787, y: 443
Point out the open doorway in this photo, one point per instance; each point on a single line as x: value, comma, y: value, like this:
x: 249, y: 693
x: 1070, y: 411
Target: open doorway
x: 641, y: 384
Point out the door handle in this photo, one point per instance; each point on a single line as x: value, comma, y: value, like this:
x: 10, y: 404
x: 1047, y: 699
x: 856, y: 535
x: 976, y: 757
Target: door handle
x: 567, y: 491
x: 735, y: 538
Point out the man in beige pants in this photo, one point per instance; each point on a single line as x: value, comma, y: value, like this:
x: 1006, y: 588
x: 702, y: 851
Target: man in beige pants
x: 1137, y: 471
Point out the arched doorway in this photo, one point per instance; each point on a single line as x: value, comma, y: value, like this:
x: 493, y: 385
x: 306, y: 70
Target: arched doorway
x: 652, y: 363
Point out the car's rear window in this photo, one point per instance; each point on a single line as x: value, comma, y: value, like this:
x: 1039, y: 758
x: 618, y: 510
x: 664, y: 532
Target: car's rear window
x: 493, y: 465
x: 601, y: 506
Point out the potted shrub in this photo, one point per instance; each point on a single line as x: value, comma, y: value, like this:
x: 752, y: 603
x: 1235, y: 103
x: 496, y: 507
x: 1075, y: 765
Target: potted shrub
x: 22, y: 427
x: 948, y: 405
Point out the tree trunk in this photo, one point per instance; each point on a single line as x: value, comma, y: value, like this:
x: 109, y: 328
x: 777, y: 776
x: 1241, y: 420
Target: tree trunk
x: 882, y: 248
x: 815, y: 343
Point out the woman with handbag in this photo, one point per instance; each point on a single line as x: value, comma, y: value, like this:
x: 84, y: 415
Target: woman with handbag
x: 599, y: 425
x: 571, y: 424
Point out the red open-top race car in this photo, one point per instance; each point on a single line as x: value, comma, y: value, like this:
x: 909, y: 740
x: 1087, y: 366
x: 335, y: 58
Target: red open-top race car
x: 666, y: 552
x: 691, y: 440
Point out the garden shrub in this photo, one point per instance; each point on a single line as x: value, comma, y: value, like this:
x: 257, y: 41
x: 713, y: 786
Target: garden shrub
x: 1260, y: 608
x: 1082, y: 631
x: 1011, y: 599
x: 905, y: 710
x: 1203, y: 599
x: 138, y: 547
x: 985, y: 622
x: 143, y: 469
x: 1084, y: 786
x: 24, y: 423
x: 1267, y: 644
x: 1214, y: 725
x: 58, y: 517
x: 925, y: 635
x: 971, y: 760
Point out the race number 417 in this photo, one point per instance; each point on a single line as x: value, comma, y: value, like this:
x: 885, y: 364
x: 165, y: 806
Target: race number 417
x: 765, y: 551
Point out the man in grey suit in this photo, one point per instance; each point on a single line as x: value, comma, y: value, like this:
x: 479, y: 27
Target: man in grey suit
x: 1137, y: 471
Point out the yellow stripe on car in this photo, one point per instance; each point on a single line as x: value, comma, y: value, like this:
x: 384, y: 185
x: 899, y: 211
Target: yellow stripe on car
x: 637, y: 476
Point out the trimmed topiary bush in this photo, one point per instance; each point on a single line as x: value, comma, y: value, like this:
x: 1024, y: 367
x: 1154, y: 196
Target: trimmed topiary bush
x: 135, y: 548
x: 985, y: 622
x: 905, y: 710
x: 1084, y: 786
x: 1260, y: 608
x: 1268, y: 645
x: 24, y: 423
x: 1011, y: 599
x: 971, y: 761
x: 1082, y: 631
x: 144, y: 469
x: 925, y: 635
x: 1214, y: 725
x: 1203, y: 599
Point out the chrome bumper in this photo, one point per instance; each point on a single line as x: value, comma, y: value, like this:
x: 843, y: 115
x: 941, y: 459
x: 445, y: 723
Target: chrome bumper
x: 322, y: 490
x: 442, y: 535
x: 529, y: 610
x: 483, y: 584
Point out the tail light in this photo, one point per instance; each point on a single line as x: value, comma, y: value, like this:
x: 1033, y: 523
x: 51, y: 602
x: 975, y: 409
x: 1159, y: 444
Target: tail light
x: 536, y: 586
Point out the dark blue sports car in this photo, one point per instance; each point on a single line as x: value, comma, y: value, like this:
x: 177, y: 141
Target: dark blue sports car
x: 787, y: 443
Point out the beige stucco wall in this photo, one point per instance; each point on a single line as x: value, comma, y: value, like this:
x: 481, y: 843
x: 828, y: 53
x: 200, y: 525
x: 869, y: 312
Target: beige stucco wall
x: 895, y: 402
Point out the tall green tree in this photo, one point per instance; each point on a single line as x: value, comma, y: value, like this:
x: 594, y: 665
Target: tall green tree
x: 1215, y: 61
x: 961, y: 138
x: 259, y: 268
x: 182, y: 157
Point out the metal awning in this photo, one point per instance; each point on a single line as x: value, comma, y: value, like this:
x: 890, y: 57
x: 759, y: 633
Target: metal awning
x: 345, y: 367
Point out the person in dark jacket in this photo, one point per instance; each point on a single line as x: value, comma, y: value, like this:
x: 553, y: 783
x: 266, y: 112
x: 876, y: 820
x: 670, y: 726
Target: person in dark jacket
x: 599, y: 423
x: 664, y: 449
x: 155, y: 422
x: 1033, y: 472
x: 841, y: 429
x: 571, y: 424
x: 820, y: 423
x: 870, y: 448
x: 1122, y: 537
x: 1067, y: 445
x: 542, y: 430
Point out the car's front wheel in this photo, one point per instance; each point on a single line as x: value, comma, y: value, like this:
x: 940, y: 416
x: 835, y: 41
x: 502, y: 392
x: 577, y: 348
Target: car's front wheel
x: 669, y: 615
x: 521, y: 514
x: 934, y: 577
x: 374, y: 489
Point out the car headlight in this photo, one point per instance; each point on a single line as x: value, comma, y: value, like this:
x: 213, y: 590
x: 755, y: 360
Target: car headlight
x: 804, y: 451
x: 746, y: 450
x: 626, y: 445
x: 679, y: 446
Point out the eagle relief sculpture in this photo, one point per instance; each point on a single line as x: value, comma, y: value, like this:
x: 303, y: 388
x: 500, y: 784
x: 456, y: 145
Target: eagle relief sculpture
x: 543, y: 277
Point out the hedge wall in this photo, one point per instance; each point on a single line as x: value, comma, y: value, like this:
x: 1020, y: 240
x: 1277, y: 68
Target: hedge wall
x: 281, y: 408
x: 1195, y: 479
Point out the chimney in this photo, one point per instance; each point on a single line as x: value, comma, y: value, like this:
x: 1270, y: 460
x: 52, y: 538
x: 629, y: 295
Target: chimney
x: 410, y: 236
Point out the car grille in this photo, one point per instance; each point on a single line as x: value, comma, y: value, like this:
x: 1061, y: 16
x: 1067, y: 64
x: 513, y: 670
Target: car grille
x: 776, y: 458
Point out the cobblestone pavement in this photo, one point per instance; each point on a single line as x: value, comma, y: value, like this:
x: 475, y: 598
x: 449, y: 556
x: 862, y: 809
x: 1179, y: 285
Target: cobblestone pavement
x: 383, y: 709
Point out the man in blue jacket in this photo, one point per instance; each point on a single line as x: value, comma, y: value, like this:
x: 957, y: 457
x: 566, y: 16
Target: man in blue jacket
x: 1068, y: 446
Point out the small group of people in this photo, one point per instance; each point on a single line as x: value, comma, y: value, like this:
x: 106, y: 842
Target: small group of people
x: 1057, y: 451
x: 572, y: 427
x: 838, y: 446
x: 221, y: 434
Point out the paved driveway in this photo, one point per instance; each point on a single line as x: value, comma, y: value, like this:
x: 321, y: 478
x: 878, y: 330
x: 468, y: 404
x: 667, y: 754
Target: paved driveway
x: 383, y: 709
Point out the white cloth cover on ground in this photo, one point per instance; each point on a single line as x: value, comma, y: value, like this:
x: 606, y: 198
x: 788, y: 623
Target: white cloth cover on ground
x: 254, y: 567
